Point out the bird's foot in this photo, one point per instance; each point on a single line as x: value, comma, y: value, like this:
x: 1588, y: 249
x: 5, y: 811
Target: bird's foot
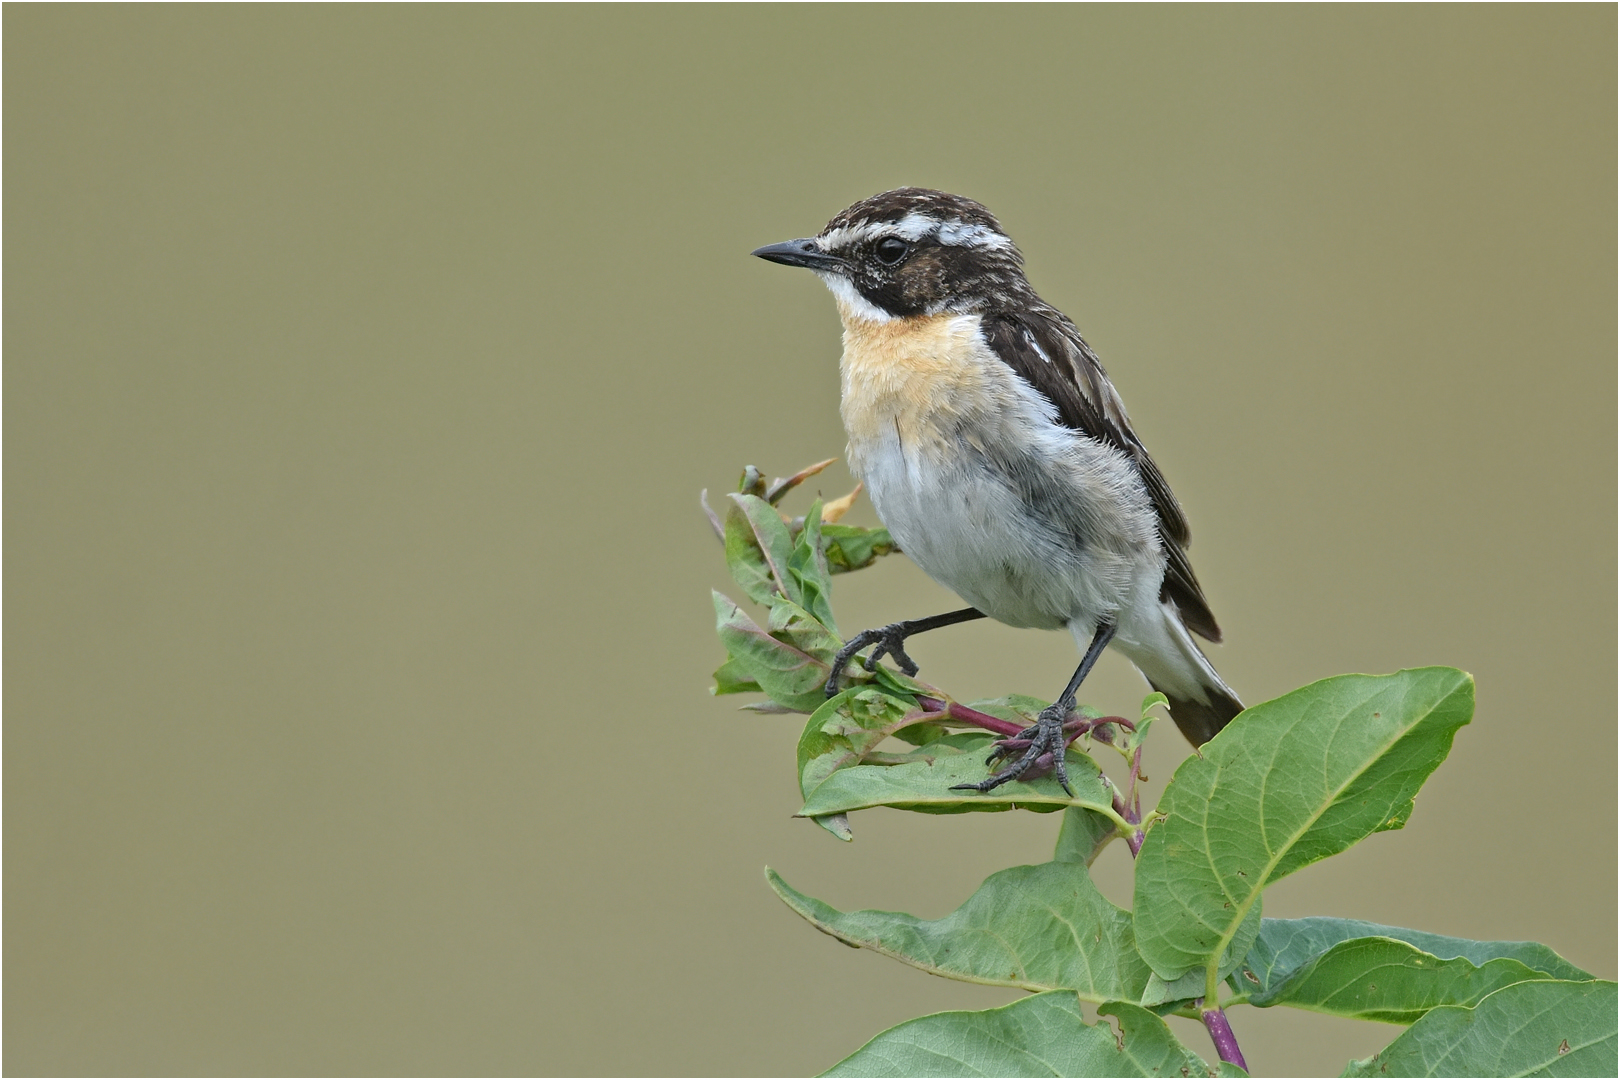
x: 890, y: 641
x: 1046, y: 739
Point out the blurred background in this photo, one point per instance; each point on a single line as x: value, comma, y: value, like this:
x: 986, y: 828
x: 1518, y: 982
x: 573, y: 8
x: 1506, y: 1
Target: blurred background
x: 363, y: 365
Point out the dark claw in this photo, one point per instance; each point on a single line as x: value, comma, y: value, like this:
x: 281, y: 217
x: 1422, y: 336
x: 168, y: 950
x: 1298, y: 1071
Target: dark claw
x: 1006, y: 748
x: 892, y: 648
x: 890, y: 641
x: 1046, y: 737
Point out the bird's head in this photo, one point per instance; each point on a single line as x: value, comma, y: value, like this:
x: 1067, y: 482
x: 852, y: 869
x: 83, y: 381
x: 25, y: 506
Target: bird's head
x: 908, y: 252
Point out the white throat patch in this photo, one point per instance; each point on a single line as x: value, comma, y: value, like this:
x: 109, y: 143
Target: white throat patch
x: 850, y: 298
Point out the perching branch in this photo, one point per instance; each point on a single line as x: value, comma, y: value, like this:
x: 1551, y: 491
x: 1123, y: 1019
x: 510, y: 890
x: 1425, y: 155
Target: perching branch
x: 1323, y: 767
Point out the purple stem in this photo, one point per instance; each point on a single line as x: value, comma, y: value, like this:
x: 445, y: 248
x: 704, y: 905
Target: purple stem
x: 1220, y: 1033
x: 1118, y: 721
x: 969, y: 716
x: 1133, y: 839
x: 955, y: 711
x: 1134, y: 815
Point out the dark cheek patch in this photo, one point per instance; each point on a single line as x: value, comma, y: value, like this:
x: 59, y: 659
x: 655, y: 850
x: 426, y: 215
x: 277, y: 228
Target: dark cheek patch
x: 922, y: 280
x: 898, y: 295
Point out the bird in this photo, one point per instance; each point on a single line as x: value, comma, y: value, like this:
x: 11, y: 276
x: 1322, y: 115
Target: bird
x: 1000, y: 458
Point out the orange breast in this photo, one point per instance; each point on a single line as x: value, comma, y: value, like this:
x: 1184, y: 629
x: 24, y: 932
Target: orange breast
x: 912, y: 379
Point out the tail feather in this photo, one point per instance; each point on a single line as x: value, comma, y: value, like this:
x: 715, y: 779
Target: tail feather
x: 1201, y: 722
x: 1158, y: 643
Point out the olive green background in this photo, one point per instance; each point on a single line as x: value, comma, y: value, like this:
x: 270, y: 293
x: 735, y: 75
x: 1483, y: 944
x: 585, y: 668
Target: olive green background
x: 363, y: 365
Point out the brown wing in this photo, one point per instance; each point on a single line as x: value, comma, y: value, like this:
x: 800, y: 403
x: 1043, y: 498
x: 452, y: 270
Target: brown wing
x: 1046, y: 350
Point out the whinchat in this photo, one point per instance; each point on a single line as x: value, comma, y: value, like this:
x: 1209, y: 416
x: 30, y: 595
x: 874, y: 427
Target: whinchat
x: 1000, y: 457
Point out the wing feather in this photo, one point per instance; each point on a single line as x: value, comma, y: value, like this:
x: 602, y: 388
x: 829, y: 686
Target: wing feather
x: 1045, y: 349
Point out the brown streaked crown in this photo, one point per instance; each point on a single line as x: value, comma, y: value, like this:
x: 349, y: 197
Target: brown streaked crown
x: 956, y: 257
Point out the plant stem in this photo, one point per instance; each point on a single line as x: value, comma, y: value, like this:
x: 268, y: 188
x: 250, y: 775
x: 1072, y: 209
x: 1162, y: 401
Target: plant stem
x: 1220, y: 1033
x: 969, y: 716
x: 1133, y: 820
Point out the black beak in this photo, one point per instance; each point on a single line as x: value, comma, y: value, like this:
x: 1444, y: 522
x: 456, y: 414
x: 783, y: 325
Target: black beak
x: 800, y: 253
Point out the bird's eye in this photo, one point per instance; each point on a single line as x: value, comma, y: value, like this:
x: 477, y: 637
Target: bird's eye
x: 891, y: 250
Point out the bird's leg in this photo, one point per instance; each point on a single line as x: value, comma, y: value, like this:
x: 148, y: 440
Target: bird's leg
x: 1047, y: 734
x: 891, y: 639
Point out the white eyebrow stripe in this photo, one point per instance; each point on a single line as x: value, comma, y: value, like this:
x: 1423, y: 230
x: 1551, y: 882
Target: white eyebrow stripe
x: 958, y: 234
x: 914, y: 227
x: 848, y: 235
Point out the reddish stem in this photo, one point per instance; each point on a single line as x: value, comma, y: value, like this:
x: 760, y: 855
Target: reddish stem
x: 969, y: 716
x: 1220, y: 1033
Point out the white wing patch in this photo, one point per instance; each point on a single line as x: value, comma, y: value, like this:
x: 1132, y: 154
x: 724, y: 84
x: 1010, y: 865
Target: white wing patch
x: 1029, y: 338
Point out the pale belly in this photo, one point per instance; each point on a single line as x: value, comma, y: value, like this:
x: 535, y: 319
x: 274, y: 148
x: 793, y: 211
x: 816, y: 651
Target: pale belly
x: 1014, y: 539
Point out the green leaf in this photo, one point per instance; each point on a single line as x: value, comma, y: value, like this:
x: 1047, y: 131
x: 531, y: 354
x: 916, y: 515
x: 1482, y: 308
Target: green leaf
x: 1542, y: 1028
x: 1382, y: 979
x: 792, y: 624
x: 893, y: 681
x: 849, y: 547
x: 758, y: 547
x: 745, y: 559
x: 789, y: 675
x: 1194, y: 983
x: 1083, y: 835
x: 924, y: 785
x: 1040, y: 927
x: 923, y: 734
x: 1022, y: 709
x: 807, y: 565
x: 837, y: 824
x: 1289, y: 782
x: 843, y: 730
x: 1285, y: 946
x: 732, y: 678
x: 1042, y: 1035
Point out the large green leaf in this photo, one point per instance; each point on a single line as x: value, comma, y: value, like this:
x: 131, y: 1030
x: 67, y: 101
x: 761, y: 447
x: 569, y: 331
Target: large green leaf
x: 1285, y: 946
x: 1289, y: 782
x: 789, y: 675
x: 1545, y: 1028
x: 1195, y: 982
x: 1040, y: 927
x: 1383, y: 979
x: 924, y: 784
x: 1042, y: 1035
